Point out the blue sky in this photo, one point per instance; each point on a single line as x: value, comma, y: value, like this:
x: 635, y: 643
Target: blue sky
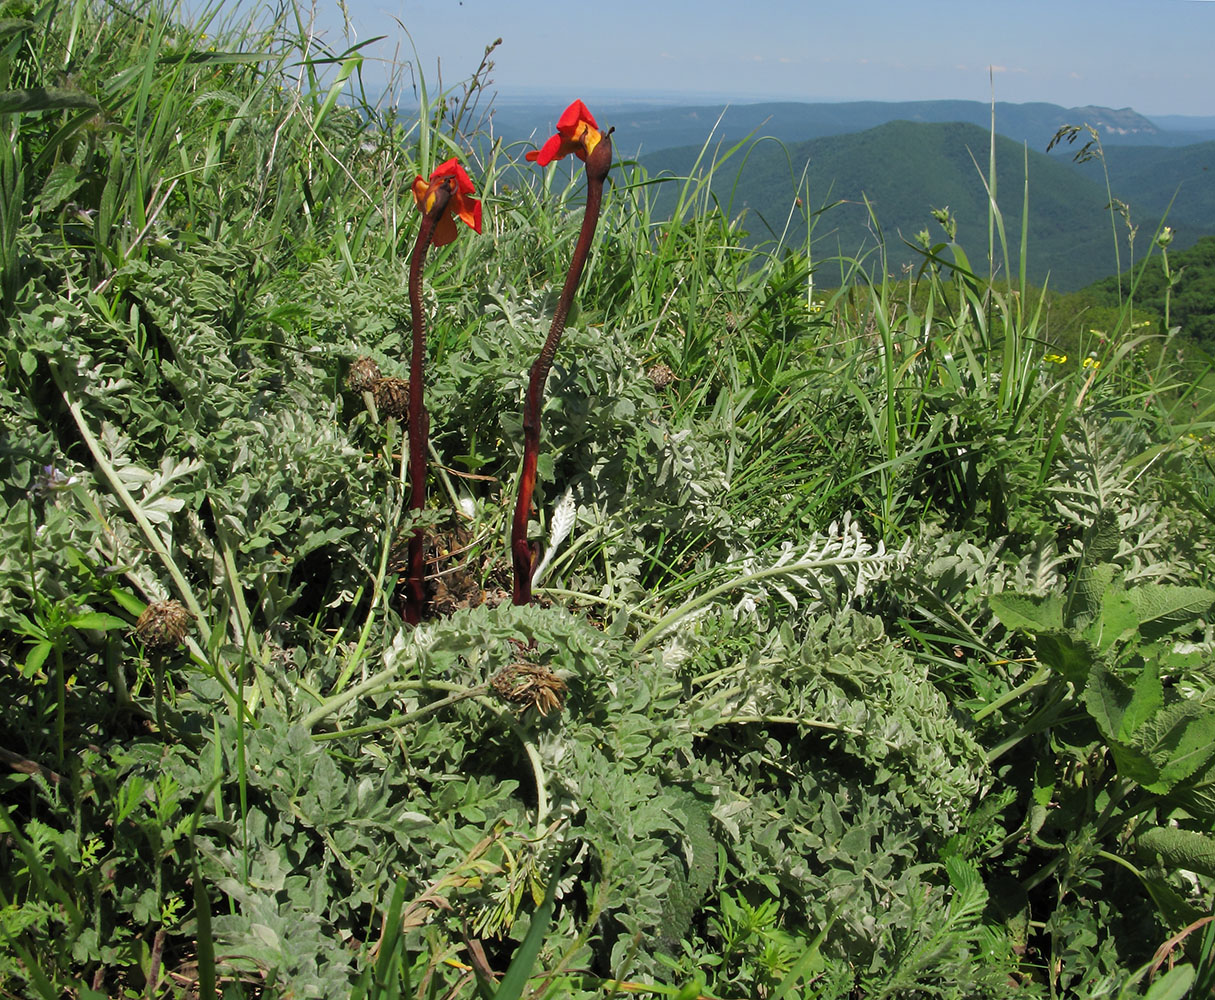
x: 1153, y: 55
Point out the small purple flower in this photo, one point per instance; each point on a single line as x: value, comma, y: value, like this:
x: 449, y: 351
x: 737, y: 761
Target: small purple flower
x: 50, y: 481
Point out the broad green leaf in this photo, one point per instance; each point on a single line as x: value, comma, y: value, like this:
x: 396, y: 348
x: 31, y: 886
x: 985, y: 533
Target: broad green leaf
x: 1147, y: 700
x: 1174, y: 909
x: 1191, y: 746
x: 1102, y: 538
x: 691, y: 990
x: 61, y: 183
x: 129, y: 601
x: 1173, y: 985
x: 11, y: 25
x: 1044, y: 782
x: 1197, y: 795
x: 28, y: 628
x: 1118, y: 709
x: 1135, y: 765
x: 1117, y: 620
x: 1088, y: 594
x: 1163, y: 608
x: 1026, y: 612
x: 1175, y: 848
x: 98, y: 620
x: 36, y: 658
x: 1179, y: 739
x: 1069, y: 657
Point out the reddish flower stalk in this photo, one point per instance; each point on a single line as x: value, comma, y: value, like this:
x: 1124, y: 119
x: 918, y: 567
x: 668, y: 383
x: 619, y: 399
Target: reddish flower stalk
x: 576, y: 133
x: 444, y: 195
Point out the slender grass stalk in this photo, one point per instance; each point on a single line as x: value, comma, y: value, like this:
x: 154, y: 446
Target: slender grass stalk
x: 154, y: 540
x: 514, y: 982
x: 598, y: 163
x: 405, y: 718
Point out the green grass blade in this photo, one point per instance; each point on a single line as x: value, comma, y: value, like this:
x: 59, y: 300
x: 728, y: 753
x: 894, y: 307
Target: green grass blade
x: 520, y: 971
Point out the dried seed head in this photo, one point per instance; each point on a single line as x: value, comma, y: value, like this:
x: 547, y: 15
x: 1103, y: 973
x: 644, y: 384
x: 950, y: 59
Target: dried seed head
x: 530, y: 685
x: 661, y: 375
x: 363, y: 374
x: 163, y: 624
x: 391, y: 396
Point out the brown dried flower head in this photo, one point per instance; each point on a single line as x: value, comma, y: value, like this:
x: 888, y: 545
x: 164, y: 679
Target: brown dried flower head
x: 530, y: 685
x: 391, y: 396
x: 661, y: 376
x: 363, y: 374
x: 163, y: 624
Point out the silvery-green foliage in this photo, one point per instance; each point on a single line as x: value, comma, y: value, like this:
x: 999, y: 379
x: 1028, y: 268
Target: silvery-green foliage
x: 605, y: 436
x: 1094, y: 474
x: 209, y: 436
x: 839, y: 835
x: 832, y: 569
x: 152, y: 490
x: 948, y: 573
x: 854, y: 819
x: 881, y: 709
x: 562, y: 520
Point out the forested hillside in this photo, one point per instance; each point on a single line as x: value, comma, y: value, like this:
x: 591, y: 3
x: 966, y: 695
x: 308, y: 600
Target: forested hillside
x: 1179, y: 288
x: 879, y: 187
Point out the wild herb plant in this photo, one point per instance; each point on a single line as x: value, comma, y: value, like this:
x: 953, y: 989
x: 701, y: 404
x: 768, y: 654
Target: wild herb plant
x: 872, y: 657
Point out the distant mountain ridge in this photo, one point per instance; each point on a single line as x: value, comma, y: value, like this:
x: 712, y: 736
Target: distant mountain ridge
x: 650, y: 129
x: 910, y: 157
x: 1200, y: 126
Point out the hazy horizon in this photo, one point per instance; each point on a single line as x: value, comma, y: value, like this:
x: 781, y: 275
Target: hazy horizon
x: 1153, y: 57
x: 530, y: 96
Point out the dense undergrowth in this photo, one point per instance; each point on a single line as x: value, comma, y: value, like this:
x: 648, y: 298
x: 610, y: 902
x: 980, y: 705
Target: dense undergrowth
x: 872, y: 656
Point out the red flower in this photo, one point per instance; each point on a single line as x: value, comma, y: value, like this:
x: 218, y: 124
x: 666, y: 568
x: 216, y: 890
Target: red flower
x: 577, y: 133
x: 451, y: 175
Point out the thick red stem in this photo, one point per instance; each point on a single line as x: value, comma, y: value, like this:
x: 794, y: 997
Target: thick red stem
x: 597, y: 165
x: 415, y: 584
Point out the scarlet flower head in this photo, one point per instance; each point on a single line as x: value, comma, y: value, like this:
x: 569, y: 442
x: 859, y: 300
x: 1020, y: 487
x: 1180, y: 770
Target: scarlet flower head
x: 577, y: 133
x: 452, y: 176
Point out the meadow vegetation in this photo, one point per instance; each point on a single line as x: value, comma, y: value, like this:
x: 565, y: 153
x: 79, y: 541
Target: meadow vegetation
x: 871, y: 654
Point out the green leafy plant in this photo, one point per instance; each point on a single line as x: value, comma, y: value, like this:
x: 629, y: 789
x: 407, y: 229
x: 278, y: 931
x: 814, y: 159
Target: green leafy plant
x: 870, y: 649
